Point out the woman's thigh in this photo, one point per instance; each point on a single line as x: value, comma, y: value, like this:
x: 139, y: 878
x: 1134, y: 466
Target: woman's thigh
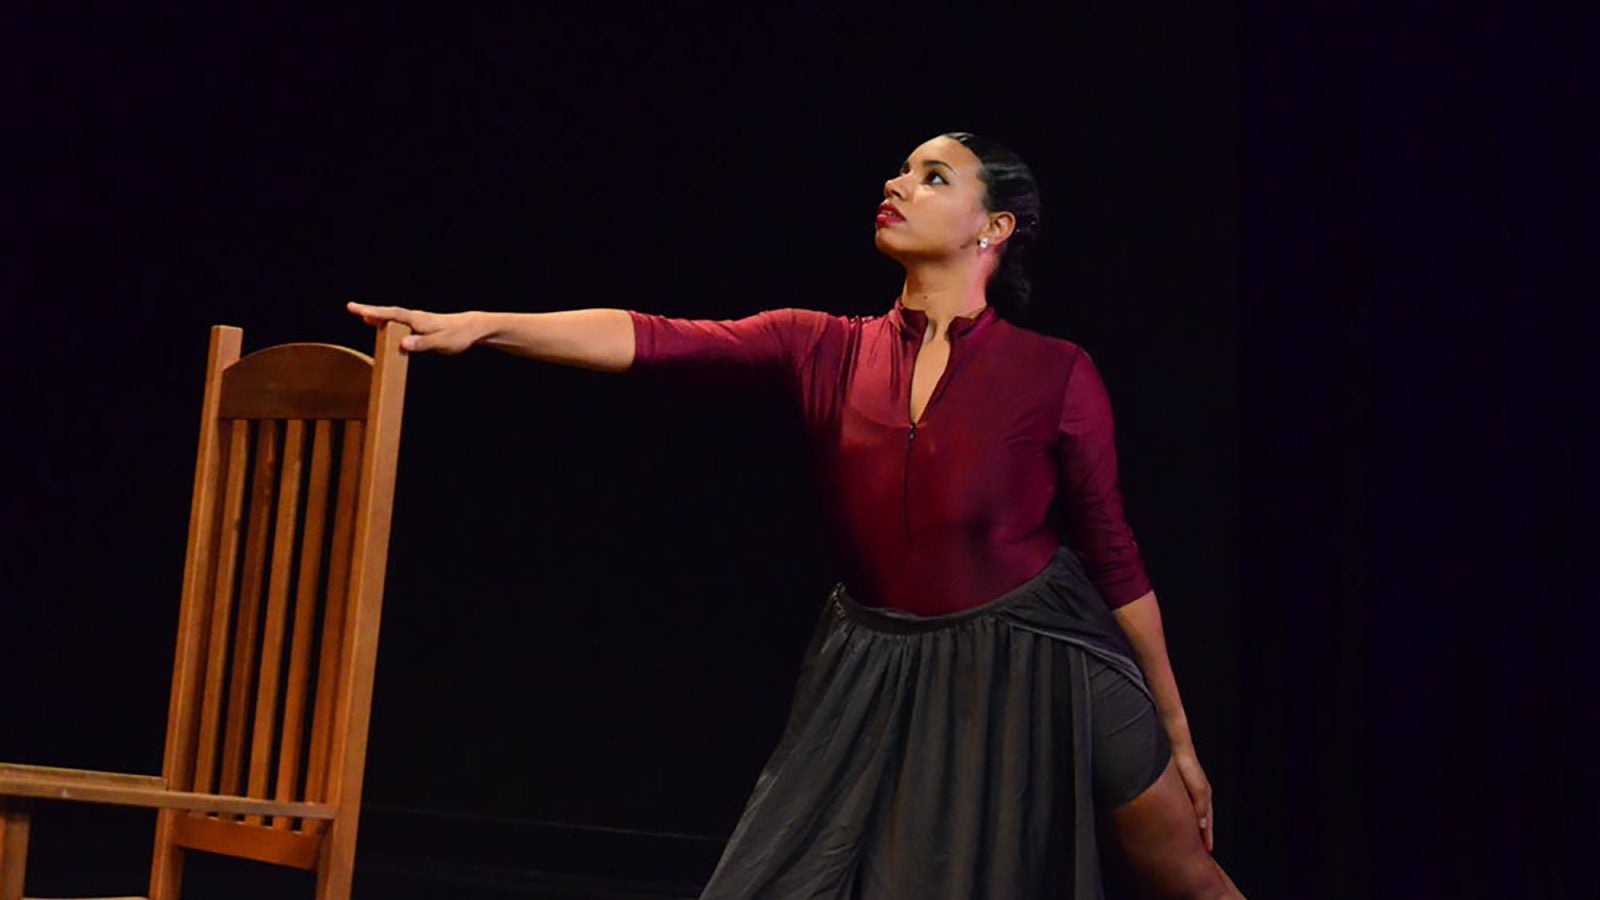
x: 1130, y: 749
x: 1135, y: 779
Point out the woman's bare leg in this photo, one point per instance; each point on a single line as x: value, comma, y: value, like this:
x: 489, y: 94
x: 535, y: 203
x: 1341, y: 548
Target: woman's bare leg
x: 1162, y: 842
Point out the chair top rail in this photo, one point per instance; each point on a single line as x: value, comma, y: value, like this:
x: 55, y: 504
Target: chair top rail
x: 298, y: 381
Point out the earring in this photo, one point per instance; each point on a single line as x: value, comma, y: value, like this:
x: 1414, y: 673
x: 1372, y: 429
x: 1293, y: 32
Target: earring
x: 983, y: 243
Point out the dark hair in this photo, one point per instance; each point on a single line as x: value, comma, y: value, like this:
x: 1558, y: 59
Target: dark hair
x: 1009, y: 186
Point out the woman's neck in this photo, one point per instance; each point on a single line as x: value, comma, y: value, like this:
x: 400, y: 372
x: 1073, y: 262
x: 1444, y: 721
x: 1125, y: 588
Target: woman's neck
x: 943, y: 294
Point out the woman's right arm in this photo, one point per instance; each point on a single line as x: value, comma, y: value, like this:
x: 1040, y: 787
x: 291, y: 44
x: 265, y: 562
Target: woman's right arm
x: 597, y: 339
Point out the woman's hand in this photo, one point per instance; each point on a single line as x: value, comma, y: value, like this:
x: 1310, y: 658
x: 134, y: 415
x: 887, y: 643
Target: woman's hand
x: 1194, y: 778
x: 447, y: 333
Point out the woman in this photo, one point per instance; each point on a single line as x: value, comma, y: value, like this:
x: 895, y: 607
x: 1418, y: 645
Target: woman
x: 981, y: 680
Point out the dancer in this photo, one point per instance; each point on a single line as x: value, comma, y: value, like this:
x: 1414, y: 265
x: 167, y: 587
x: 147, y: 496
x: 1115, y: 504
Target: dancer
x: 990, y: 668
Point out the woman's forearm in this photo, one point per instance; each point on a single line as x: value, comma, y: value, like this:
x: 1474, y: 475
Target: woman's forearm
x: 597, y: 339
x: 1141, y: 621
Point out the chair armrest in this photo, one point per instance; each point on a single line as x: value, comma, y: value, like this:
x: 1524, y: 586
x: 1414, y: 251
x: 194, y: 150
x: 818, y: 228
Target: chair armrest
x: 118, y: 789
x: 111, y: 779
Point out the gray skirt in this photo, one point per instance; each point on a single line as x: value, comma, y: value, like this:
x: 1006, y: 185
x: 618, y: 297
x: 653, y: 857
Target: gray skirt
x: 954, y: 756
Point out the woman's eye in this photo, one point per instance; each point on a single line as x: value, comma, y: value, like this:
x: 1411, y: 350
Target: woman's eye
x: 933, y: 175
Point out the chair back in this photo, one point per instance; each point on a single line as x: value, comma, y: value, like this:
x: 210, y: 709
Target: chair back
x: 282, y: 595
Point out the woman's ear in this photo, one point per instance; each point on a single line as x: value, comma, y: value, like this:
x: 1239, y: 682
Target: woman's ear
x: 1001, y: 225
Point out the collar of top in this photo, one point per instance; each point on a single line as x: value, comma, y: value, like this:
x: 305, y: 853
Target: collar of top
x: 914, y: 322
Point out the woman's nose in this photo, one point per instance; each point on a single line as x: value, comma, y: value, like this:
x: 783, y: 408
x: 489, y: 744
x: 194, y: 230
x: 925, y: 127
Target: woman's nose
x: 891, y: 188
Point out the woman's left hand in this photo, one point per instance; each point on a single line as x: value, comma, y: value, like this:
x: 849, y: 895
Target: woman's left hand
x: 1194, y: 778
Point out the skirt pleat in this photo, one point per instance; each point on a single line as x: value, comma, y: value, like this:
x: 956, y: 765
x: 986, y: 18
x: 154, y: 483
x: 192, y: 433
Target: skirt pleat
x: 936, y: 757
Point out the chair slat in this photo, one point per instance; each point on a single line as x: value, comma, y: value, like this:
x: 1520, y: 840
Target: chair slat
x: 240, y: 683
x: 222, y: 605
x: 333, y: 613
x: 278, y: 578
x: 305, y: 607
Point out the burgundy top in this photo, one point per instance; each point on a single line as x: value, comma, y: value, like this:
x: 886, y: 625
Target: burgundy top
x: 949, y: 512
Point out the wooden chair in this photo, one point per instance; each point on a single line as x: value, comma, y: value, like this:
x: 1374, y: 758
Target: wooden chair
x: 278, y: 629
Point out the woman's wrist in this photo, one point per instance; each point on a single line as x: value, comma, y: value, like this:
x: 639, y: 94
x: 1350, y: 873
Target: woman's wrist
x: 484, y: 327
x: 1178, y: 733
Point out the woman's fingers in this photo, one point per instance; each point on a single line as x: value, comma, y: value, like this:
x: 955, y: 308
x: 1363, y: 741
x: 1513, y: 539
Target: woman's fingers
x: 1194, y: 778
x: 447, y: 333
x: 1202, y: 812
x: 377, y: 315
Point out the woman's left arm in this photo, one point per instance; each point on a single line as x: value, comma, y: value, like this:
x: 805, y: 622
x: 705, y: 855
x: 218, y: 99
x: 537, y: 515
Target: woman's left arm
x: 1098, y: 531
x: 1141, y: 621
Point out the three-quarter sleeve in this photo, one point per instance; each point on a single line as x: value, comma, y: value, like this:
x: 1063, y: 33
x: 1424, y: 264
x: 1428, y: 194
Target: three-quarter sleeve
x: 772, y: 342
x: 1087, y: 489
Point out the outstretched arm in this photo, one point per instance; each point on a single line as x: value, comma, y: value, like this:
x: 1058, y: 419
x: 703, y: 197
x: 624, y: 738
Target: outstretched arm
x: 597, y: 339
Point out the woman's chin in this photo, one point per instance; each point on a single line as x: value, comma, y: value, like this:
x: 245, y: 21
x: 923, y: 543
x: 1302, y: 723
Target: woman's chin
x: 887, y: 245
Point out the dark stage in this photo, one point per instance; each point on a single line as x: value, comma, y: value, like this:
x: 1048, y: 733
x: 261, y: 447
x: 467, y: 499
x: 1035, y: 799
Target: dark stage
x: 1318, y: 251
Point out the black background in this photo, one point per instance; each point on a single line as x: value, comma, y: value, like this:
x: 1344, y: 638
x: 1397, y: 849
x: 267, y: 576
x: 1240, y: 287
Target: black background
x: 1315, y: 251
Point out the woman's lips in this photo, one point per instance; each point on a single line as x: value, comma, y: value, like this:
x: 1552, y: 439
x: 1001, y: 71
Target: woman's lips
x: 888, y: 215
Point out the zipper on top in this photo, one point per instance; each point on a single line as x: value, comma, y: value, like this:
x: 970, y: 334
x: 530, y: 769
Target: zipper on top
x: 905, y: 485
x: 911, y: 433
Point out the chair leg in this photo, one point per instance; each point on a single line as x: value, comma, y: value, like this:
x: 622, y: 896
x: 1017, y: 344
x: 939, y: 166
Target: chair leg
x: 166, y: 871
x: 14, y: 820
x: 336, y: 866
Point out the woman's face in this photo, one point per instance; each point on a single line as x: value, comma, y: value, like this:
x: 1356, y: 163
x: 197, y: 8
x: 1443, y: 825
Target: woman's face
x: 933, y: 209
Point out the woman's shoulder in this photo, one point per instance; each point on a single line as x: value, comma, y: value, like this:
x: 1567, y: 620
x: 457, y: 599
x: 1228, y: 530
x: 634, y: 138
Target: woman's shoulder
x: 1041, y: 346
x: 820, y: 324
x: 807, y: 324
